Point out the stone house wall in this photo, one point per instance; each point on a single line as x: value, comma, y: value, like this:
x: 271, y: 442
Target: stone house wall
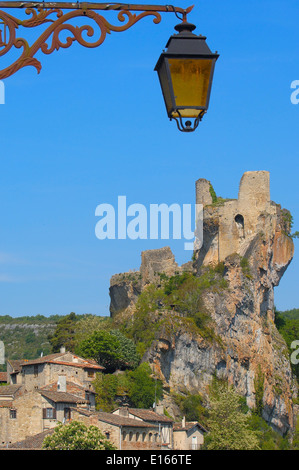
x: 184, y: 440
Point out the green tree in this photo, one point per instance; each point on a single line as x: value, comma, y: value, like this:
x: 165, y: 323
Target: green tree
x: 191, y: 406
x: 108, y: 387
x: 268, y: 438
x: 295, y: 443
x: 102, y: 347
x: 89, y: 323
x: 259, y: 390
x: 64, y: 334
x: 77, y: 436
x: 126, y: 350
x: 229, y: 428
x: 287, y: 324
x: 144, y: 389
x: 111, y: 349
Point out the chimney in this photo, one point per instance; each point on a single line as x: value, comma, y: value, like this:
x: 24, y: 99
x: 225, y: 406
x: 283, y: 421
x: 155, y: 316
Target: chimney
x: 62, y: 350
x: 183, y: 421
x: 124, y: 411
x: 159, y: 409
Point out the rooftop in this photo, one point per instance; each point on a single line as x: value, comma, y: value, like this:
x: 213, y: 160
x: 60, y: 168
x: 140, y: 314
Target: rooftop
x: 54, y: 359
x: 148, y: 415
x: 32, y: 442
x: 118, y: 420
x: 62, y: 397
x: 3, y: 376
x: 188, y: 426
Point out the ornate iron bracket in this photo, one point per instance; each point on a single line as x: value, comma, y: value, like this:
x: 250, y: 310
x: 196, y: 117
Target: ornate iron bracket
x: 56, y: 20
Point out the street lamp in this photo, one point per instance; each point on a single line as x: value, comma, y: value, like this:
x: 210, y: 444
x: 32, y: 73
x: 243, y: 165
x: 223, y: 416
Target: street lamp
x: 185, y: 72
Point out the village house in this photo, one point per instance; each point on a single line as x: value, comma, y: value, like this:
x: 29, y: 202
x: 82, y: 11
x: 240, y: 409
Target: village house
x: 57, y: 388
x: 124, y: 432
x: 188, y: 435
x: 132, y: 429
x: 42, y: 392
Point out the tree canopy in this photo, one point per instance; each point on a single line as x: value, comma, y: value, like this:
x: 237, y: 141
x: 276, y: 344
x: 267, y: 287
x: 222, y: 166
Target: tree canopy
x: 111, y: 349
x: 229, y: 426
x: 77, y: 436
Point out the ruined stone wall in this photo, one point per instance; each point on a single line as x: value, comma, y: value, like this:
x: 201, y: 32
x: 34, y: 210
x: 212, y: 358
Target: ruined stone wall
x: 235, y: 221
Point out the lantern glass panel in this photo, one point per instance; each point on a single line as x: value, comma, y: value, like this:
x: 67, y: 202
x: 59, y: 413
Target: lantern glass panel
x: 190, y: 81
x: 165, y: 85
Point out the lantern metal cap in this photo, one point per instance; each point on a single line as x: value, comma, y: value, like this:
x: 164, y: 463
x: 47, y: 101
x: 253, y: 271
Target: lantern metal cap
x: 185, y: 27
x: 196, y: 45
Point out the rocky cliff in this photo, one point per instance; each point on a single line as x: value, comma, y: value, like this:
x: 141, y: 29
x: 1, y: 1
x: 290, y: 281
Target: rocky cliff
x: 247, y: 248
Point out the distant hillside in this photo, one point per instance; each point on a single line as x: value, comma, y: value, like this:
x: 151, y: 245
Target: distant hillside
x: 290, y: 314
x: 26, y: 337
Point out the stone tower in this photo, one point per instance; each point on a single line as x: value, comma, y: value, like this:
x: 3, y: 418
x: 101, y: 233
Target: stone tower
x: 231, y: 224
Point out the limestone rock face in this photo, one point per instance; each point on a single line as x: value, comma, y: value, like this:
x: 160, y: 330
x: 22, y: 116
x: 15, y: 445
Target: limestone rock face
x: 249, y: 236
x: 125, y: 288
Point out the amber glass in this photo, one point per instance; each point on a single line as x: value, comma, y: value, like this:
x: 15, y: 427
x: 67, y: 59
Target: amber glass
x: 165, y: 85
x: 190, y: 81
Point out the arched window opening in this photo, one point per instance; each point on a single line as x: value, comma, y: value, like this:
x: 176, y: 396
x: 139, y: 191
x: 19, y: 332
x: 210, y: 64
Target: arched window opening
x: 239, y: 219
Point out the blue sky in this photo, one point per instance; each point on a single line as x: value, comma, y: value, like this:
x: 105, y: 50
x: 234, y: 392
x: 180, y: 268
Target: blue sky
x: 92, y: 126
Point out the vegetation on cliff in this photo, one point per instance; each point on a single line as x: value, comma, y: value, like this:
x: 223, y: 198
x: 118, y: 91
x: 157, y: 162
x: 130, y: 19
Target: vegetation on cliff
x: 175, y: 302
x: 136, y: 388
x: 287, y: 324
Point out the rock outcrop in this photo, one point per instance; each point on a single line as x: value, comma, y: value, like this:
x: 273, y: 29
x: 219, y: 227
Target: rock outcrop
x: 249, y: 236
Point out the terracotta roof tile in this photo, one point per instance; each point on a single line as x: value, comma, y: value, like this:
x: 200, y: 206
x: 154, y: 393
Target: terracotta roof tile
x: 6, y: 403
x: 9, y: 390
x: 148, y: 415
x: 3, y: 376
x: 32, y: 442
x: 188, y: 426
x: 15, y: 364
x: 122, y: 421
x: 52, y: 358
x: 62, y: 397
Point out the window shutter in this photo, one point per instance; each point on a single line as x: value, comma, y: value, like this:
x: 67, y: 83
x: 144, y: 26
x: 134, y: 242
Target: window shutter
x: 44, y: 413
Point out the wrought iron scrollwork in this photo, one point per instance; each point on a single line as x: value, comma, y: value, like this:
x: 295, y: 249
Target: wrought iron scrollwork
x: 56, y: 21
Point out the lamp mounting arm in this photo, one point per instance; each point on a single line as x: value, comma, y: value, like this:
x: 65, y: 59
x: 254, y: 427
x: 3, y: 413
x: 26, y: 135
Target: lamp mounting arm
x: 56, y: 17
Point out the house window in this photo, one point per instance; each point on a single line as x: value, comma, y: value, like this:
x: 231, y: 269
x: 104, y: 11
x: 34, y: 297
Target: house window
x: 13, y: 414
x: 107, y: 434
x: 90, y: 373
x: 67, y: 414
x: 49, y: 413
